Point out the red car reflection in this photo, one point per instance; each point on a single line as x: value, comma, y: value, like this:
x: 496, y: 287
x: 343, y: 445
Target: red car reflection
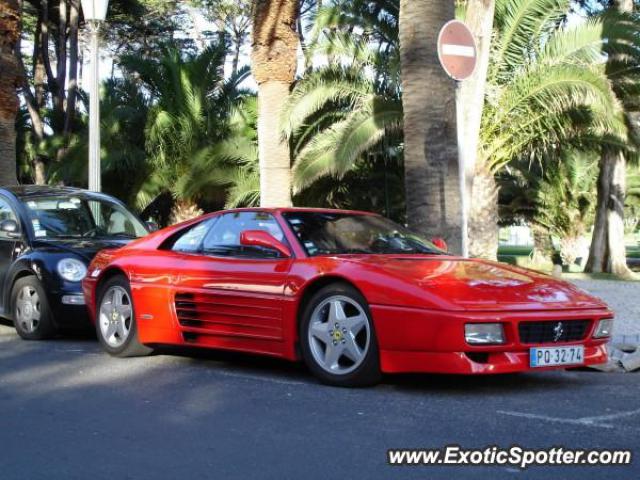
x: 351, y: 293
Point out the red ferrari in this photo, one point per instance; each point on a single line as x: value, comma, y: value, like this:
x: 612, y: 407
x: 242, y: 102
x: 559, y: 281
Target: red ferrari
x: 351, y: 293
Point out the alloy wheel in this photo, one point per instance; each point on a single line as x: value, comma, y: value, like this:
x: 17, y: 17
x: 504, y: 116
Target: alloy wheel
x: 339, y: 334
x: 116, y: 315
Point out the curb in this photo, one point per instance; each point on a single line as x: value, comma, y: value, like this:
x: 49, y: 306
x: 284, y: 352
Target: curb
x: 624, y: 354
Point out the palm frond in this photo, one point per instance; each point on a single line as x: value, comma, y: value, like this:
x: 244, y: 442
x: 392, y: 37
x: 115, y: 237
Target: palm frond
x: 519, y: 23
x: 335, y: 150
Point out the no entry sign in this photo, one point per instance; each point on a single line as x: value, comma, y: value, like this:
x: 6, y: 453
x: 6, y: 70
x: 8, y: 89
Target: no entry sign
x: 457, y: 50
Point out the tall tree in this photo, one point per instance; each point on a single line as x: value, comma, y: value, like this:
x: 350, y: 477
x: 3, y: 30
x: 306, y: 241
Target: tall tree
x: 54, y: 76
x: 555, y: 197
x: 340, y: 113
x: 273, y: 64
x: 431, y: 156
x: 479, y: 15
x: 608, y: 253
x: 50, y: 74
x: 548, y: 88
x: 232, y: 19
x: 9, y: 34
x: 188, y: 119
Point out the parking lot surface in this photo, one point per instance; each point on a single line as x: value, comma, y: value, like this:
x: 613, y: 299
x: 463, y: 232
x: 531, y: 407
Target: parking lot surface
x: 70, y: 411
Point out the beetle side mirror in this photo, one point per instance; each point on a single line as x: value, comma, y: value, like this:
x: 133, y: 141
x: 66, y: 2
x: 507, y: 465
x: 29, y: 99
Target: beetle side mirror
x: 10, y: 228
x: 260, y: 238
x: 152, y: 226
x: 440, y: 243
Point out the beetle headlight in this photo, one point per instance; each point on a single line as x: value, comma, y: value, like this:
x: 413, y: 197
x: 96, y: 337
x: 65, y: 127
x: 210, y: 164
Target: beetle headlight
x: 484, y: 333
x: 604, y: 328
x: 71, y: 269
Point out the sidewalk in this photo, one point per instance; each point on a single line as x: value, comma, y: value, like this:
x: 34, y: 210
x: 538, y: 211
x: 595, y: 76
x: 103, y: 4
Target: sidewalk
x: 624, y: 299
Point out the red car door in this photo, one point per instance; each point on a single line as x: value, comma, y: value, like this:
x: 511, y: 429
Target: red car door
x: 230, y: 295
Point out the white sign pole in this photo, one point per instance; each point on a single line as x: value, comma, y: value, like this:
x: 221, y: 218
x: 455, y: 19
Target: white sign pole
x: 457, y: 52
x: 462, y: 174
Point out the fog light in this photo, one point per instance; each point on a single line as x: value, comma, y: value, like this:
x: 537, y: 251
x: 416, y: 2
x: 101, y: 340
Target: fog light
x: 484, y: 333
x: 604, y: 328
x: 73, y: 299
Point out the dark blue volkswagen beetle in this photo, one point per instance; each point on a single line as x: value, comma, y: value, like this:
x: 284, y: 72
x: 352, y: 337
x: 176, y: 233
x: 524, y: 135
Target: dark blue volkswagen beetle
x: 48, y: 236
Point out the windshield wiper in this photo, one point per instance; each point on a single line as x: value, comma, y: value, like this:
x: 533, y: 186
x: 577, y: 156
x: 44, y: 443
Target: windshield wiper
x: 117, y: 235
x: 58, y: 236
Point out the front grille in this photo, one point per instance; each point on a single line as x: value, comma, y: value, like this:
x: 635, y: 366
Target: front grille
x: 553, y: 332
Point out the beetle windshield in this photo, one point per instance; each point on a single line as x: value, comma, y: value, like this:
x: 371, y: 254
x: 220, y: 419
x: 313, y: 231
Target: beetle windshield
x: 81, y: 216
x: 327, y: 233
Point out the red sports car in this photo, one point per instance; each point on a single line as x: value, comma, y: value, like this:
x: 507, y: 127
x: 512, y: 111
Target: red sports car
x: 351, y: 293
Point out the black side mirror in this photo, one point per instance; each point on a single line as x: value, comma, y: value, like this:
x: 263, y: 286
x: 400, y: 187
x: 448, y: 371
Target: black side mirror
x: 10, y: 228
x: 152, y: 226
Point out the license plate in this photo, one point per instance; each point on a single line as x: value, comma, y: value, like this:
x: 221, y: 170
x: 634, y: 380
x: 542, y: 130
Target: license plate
x: 545, y: 357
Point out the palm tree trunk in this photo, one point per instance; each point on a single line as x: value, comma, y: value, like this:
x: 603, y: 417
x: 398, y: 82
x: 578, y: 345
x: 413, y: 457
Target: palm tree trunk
x: 483, y: 215
x: 542, y: 246
x: 431, y: 154
x: 598, y: 250
x: 273, y: 64
x: 607, y: 252
x: 617, y: 261
x: 9, y: 81
x: 479, y: 18
x: 273, y: 150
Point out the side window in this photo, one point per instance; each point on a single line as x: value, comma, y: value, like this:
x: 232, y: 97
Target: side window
x: 191, y: 240
x: 6, y: 213
x: 224, y: 237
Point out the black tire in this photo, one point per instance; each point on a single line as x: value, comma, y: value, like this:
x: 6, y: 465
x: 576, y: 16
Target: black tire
x: 131, y: 347
x: 368, y: 372
x: 40, y: 329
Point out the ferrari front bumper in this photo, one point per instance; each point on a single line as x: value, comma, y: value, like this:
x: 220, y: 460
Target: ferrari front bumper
x: 462, y: 363
x: 414, y: 340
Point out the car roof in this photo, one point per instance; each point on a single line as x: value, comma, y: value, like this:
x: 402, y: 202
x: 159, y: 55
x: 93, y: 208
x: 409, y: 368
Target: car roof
x: 298, y: 209
x: 26, y: 191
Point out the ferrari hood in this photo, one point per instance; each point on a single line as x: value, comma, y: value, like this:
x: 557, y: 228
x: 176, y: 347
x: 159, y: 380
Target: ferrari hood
x: 460, y: 284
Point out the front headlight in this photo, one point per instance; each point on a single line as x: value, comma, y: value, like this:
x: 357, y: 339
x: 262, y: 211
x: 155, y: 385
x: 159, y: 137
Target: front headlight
x: 71, y: 269
x: 484, y: 333
x: 604, y: 328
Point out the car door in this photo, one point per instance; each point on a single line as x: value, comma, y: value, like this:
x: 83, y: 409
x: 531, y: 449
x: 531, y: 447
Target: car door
x: 8, y: 243
x: 231, y: 292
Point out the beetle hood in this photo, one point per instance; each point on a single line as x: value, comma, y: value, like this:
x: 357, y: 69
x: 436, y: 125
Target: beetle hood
x: 85, y: 248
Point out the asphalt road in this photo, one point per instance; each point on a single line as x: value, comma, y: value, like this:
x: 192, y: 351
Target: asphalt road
x: 71, y: 412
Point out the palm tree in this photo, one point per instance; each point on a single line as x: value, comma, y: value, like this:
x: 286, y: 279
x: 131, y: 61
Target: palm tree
x: 608, y: 251
x: 273, y: 64
x: 428, y: 98
x: 9, y: 34
x: 555, y: 197
x: 187, y: 118
x: 231, y: 163
x: 547, y: 87
x: 350, y: 109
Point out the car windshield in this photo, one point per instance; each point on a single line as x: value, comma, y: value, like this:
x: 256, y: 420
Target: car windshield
x: 326, y: 233
x: 81, y: 216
